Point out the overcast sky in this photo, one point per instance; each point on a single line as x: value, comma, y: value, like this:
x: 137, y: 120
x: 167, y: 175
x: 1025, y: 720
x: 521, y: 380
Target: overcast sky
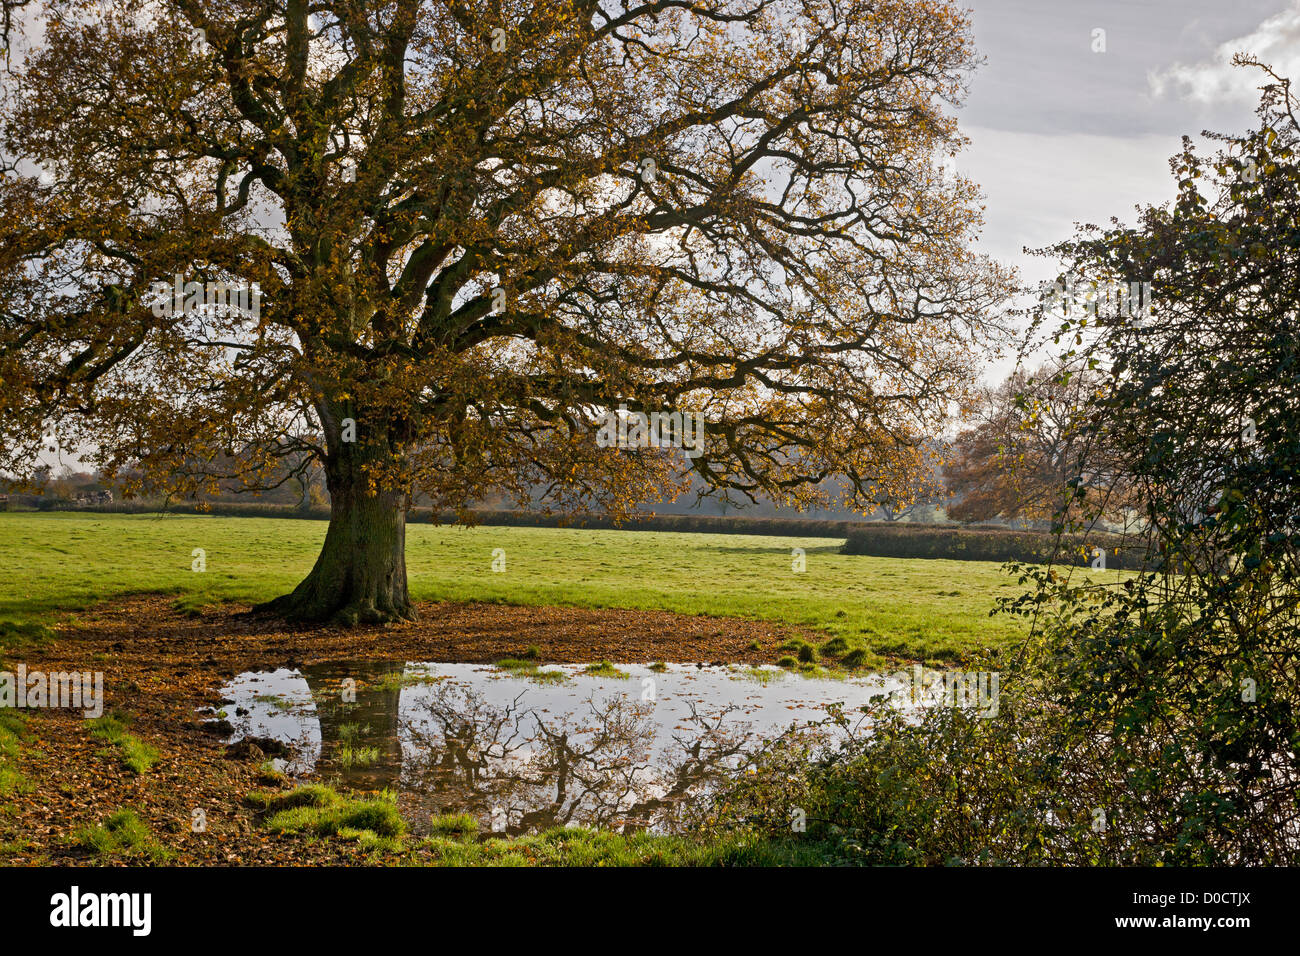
x: 1062, y: 134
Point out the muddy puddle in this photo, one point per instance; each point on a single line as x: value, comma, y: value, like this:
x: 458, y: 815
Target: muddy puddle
x: 530, y: 749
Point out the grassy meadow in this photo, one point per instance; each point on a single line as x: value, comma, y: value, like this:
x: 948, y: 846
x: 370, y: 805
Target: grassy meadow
x: 53, y: 564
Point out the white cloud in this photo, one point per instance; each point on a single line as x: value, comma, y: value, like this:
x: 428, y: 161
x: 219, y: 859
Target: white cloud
x: 1276, y: 42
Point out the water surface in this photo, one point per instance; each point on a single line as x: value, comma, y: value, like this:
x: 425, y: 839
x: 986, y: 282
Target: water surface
x: 525, y: 753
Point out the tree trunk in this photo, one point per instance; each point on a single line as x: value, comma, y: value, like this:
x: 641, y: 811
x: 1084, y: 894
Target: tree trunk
x: 360, y: 576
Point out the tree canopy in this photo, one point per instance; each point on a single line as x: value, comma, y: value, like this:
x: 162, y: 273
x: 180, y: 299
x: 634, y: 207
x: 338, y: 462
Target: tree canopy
x: 1030, y: 448
x: 467, y: 232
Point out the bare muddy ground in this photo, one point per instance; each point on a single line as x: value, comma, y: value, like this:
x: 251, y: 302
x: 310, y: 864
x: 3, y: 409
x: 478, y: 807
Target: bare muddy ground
x: 160, y: 666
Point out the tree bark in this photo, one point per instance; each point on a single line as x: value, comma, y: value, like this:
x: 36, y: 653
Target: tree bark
x: 360, y: 575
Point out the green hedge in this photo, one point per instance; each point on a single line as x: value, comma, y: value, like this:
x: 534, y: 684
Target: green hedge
x: 876, y: 538
x: 697, y: 524
x: 990, y: 544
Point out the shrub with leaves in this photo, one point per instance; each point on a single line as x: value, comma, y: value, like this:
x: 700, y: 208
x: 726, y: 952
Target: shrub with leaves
x: 1153, y: 717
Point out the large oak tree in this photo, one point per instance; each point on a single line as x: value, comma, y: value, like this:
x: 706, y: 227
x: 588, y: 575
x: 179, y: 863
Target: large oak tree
x: 477, y: 226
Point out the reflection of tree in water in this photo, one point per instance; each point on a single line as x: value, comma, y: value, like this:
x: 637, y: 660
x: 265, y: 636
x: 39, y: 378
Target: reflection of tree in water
x: 369, y: 722
x: 478, y: 758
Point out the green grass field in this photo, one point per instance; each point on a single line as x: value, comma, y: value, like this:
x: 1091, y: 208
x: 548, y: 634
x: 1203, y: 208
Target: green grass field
x: 52, y: 564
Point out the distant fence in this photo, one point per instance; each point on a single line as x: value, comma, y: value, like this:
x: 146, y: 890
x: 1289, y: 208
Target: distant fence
x: 992, y: 544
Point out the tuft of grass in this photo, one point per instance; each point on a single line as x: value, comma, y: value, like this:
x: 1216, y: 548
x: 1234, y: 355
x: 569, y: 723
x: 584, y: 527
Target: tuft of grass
x: 122, y: 834
x: 755, y: 645
x: 320, y: 811
x: 16, y: 635
x: 350, y: 756
x: 11, y: 781
x: 191, y: 606
x: 19, y: 634
x: 816, y: 670
x: 787, y: 662
x: 858, y: 657
x: 531, y: 670
x: 548, y: 677
x: 804, y: 651
x: 392, y: 682
x: 370, y: 840
x: 278, y: 701
x: 348, y: 733
x: 457, y: 825
x: 13, y: 732
x: 308, y: 795
x: 271, y: 776
x: 605, y: 669
x: 835, y: 647
x: 659, y: 667
x: 532, y: 652
x: 134, y: 754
